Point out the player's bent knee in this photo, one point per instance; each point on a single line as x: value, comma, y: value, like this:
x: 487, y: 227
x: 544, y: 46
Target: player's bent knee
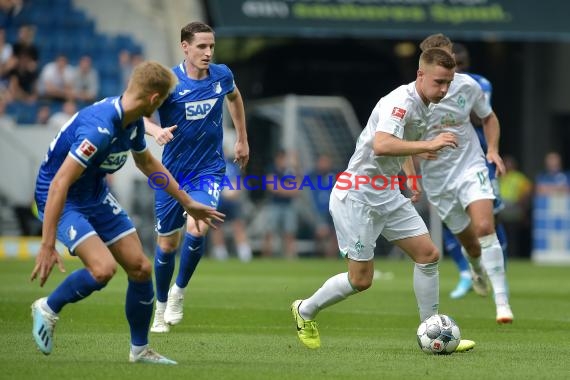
x: 361, y: 283
x: 141, y: 270
x: 428, y: 256
x: 104, y: 273
x: 484, y: 228
x: 167, y: 246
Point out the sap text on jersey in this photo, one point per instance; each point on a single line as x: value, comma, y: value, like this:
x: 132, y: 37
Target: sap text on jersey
x: 200, y: 109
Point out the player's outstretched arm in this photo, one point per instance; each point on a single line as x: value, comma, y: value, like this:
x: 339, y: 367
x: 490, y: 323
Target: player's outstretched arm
x: 237, y: 112
x: 47, y: 257
x: 150, y: 166
x: 160, y: 135
x: 492, y: 131
x: 386, y: 144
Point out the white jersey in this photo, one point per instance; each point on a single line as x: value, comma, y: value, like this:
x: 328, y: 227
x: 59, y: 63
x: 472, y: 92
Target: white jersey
x: 401, y: 113
x: 451, y: 114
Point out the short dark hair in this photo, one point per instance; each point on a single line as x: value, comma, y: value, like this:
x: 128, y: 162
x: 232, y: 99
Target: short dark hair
x: 439, y: 57
x: 187, y: 33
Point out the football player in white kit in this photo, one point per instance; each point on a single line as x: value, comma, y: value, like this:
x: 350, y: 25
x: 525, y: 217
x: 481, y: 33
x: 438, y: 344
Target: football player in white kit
x: 361, y: 212
x: 457, y: 184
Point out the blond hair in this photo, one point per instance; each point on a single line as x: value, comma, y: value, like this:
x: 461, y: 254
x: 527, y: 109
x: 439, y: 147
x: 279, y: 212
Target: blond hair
x: 437, y: 57
x: 150, y: 77
x: 438, y: 40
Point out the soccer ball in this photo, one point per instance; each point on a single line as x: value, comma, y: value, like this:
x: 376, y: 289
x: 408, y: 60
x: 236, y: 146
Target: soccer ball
x: 438, y: 334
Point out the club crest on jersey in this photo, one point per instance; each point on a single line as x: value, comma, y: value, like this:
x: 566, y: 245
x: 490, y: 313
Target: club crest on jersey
x: 72, y: 233
x: 217, y: 87
x: 398, y: 113
x: 86, y: 150
x: 200, y: 109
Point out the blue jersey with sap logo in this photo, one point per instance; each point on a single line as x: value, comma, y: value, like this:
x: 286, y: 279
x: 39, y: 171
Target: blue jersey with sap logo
x: 95, y: 138
x: 196, y: 107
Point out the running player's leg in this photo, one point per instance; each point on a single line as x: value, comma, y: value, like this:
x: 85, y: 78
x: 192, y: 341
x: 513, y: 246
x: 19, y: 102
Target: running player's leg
x: 191, y: 252
x: 128, y: 252
x: 492, y: 259
x: 453, y: 248
x: 169, y: 223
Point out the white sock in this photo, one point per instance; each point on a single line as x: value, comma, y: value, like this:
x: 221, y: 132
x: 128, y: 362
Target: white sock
x: 160, y: 307
x: 334, y: 290
x: 244, y: 252
x: 493, y: 261
x: 465, y: 274
x: 44, y: 305
x: 426, y: 288
x: 177, y: 290
x: 136, y: 350
x: 220, y: 252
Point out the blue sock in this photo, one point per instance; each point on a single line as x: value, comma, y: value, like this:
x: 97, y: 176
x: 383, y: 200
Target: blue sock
x: 138, y: 308
x: 459, y: 258
x: 453, y: 248
x: 163, y: 271
x: 190, y: 255
x: 78, y: 285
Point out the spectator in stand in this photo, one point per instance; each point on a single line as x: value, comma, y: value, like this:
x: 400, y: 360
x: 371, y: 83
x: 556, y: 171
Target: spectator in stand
x: 281, y: 214
x: 127, y: 61
x: 23, y: 78
x: 516, y: 193
x: 7, y: 62
x: 9, y: 9
x: 86, y: 81
x: 25, y: 44
x: 43, y: 115
x: 322, y: 179
x: 554, y: 180
x: 231, y: 202
x: 61, y: 117
x: 56, y: 80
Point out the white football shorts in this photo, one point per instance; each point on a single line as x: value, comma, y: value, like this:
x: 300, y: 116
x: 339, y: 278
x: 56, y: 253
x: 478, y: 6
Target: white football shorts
x: 358, y: 225
x: 452, y: 202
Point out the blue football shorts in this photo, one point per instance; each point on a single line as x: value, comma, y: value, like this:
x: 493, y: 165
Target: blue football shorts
x: 105, y: 218
x: 170, y: 214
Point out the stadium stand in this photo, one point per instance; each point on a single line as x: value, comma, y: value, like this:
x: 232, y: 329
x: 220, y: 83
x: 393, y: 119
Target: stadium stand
x: 62, y: 28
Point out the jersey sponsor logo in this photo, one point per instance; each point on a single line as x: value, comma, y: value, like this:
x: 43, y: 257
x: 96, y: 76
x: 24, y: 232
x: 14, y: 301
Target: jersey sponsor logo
x: 114, y: 161
x: 398, y: 113
x: 86, y: 150
x: 199, y: 110
x: 448, y: 120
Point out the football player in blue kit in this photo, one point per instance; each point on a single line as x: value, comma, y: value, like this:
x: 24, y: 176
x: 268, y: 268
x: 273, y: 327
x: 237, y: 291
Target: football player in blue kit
x: 76, y: 207
x: 452, y: 245
x: 191, y: 128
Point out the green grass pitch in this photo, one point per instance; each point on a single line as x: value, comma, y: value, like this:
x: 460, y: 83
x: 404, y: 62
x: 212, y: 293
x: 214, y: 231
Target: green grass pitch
x: 237, y: 325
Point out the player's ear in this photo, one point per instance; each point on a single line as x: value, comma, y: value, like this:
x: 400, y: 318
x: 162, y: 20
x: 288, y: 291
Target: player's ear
x: 154, y: 98
x: 185, y: 46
